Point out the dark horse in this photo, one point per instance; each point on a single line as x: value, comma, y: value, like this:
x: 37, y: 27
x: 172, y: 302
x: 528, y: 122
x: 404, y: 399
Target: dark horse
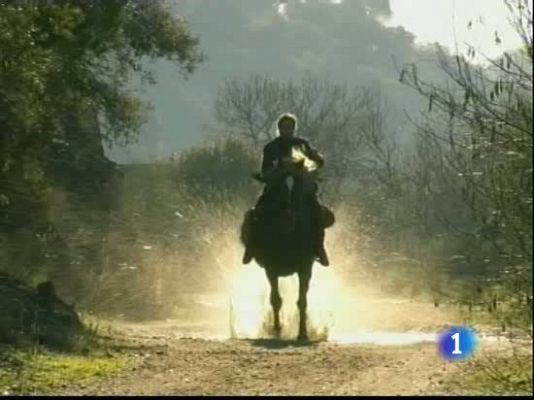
x: 283, y: 233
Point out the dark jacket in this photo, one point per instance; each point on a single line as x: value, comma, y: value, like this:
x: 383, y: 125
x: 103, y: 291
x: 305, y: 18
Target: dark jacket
x: 278, y: 148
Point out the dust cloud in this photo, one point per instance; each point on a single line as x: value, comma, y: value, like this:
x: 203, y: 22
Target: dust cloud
x: 341, y: 308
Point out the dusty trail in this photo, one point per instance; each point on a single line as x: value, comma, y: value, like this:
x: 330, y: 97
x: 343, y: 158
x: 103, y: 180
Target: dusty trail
x: 196, y: 366
x: 239, y: 367
x: 203, y: 364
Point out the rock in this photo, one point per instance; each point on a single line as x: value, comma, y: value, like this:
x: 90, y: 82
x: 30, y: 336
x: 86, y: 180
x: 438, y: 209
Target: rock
x: 22, y: 308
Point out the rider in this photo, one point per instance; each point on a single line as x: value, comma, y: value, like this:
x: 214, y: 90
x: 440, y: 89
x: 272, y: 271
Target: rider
x: 278, y: 151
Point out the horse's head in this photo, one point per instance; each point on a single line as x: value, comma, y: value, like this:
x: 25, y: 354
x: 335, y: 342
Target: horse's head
x: 301, y: 161
x: 294, y: 180
x: 299, y: 182
x: 301, y: 170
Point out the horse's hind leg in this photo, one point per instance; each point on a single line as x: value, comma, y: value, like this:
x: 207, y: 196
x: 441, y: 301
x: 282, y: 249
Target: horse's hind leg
x: 302, y: 303
x: 276, y: 302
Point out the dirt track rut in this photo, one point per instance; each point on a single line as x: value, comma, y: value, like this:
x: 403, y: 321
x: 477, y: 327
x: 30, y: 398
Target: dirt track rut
x: 191, y: 366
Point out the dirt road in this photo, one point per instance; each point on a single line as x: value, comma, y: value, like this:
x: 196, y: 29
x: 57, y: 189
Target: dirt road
x: 240, y: 367
x: 177, y: 365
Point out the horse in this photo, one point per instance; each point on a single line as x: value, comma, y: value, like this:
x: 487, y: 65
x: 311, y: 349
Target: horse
x: 284, y: 233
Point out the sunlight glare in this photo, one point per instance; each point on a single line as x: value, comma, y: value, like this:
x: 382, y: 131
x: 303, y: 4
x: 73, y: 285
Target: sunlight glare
x: 445, y: 21
x: 298, y: 155
x: 251, y: 313
x: 248, y: 301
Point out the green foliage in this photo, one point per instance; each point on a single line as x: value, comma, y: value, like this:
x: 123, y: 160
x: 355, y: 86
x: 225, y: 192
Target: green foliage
x: 65, y: 73
x: 508, y: 375
x: 223, y: 166
x: 84, y: 53
x: 30, y: 373
x: 471, y: 180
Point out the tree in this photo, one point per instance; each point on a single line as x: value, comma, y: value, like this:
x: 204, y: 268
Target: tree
x: 345, y: 124
x: 486, y: 134
x: 56, y: 54
x: 65, y: 73
x: 479, y: 129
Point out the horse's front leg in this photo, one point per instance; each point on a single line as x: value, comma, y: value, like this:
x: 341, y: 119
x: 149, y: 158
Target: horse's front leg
x: 276, y: 302
x: 302, y: 303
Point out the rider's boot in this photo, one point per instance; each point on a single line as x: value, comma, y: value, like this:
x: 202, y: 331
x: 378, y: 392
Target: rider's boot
x: 322, y: 256
x: 321, y: 251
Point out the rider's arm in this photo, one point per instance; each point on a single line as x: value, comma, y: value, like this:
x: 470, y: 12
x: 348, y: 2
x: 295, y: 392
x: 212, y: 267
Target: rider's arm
x: 314, y: 154
x: 268, y: 162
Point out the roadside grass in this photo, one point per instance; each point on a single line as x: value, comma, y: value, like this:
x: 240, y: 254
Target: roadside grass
x: 507, y: 370
x: 26, y: 373
x: 32, y: 369
x: 494, y: 375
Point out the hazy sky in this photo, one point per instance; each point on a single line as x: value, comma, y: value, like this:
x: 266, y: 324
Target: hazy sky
x: 351, y: 41
x: 443, y: 20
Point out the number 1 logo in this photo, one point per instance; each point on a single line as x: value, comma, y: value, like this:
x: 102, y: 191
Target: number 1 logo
x: 456, y: 338
x: 457, y: 343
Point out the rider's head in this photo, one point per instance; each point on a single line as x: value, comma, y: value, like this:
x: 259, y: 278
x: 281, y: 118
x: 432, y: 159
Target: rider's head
x: 287, y: 124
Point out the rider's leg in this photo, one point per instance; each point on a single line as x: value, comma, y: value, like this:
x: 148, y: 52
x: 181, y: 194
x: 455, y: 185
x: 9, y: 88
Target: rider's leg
x: 261, y: 202
x: 320, y: 234
x: 250, y: 218
x: 248, y: 236
x: 321, y: 251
